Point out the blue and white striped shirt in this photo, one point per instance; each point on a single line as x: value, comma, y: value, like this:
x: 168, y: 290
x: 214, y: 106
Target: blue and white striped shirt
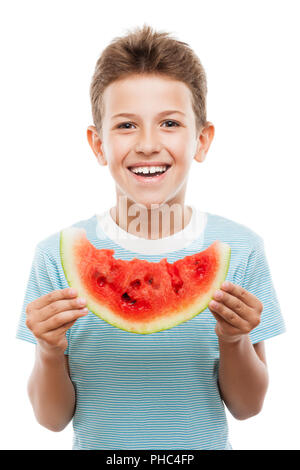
x: 155, y: 391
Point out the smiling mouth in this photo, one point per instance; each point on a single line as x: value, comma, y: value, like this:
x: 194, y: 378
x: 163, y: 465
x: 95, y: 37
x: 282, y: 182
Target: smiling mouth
x: 149, y: 175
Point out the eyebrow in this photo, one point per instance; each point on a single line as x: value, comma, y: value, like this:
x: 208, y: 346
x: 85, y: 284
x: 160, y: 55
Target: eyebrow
x: 130, y: 115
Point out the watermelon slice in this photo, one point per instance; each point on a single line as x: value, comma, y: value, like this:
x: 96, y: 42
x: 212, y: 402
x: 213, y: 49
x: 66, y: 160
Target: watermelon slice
x: 139, y: 296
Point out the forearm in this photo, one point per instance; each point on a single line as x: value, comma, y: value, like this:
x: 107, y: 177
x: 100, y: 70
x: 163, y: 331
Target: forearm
x: 243, y: 378
x: 51, y: 391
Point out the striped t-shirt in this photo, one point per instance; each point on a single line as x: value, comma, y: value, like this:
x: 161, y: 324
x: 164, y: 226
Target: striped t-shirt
x: 155, y: 391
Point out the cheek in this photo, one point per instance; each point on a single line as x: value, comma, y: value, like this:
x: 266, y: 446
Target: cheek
x: 180, y: 145
x: 116, y: 150
x: 118, y: 147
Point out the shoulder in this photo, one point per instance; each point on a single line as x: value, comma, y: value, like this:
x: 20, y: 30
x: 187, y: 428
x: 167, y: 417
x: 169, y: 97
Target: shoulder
x: 233, y: 232
x: 49, y: 246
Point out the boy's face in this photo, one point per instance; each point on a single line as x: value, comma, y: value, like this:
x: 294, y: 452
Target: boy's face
x: 153, y: 133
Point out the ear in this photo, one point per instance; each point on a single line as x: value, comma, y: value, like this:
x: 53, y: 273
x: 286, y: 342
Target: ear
x: 95, y: 143
x: 204, y: 139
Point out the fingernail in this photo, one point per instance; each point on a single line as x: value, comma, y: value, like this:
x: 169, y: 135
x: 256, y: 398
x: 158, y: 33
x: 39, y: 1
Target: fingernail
x: 81, y: 300
x: 218, y: 294
x: 72, y: 291
x: 226, y: 284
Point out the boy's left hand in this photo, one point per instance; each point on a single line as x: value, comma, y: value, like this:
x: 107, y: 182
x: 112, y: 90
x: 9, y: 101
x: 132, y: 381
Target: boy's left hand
x: 237, y: 311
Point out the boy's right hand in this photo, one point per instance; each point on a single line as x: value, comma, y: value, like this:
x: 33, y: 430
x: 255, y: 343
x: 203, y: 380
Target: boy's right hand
x: 50, y: 316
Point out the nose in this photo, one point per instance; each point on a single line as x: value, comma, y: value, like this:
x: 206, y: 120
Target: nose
x: 147, y: 142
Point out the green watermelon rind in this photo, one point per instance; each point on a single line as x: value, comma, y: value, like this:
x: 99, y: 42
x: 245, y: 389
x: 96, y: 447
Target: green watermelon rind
x: 71, y: 235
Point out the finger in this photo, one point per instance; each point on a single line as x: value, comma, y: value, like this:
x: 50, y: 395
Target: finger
x: 60, y: 306
x: 225, y: 326
x: 61, y: 330
x: 53, y: 296
x: 59, y: 320
x: 228, y: 315
x: 238, y: 291
x: 233, y: 303
x: 54, y: 337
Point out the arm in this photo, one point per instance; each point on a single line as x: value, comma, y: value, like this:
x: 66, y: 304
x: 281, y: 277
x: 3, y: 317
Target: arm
x: 51, y: 391
x: 243, y: 375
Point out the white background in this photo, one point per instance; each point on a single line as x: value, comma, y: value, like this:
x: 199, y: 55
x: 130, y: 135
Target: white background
x: 50, y: 177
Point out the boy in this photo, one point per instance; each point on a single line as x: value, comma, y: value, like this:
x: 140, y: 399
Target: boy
x: 164, y: 390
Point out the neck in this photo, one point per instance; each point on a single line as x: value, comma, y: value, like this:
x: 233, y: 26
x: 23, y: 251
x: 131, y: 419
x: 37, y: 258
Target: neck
x: 158, y: 222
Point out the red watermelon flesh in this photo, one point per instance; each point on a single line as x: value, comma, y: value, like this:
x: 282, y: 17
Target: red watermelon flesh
x: 140, y: 296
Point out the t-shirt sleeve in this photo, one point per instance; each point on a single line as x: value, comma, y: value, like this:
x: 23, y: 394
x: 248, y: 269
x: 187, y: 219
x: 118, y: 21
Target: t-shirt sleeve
x: 258, y: 281
x: 43, y: 278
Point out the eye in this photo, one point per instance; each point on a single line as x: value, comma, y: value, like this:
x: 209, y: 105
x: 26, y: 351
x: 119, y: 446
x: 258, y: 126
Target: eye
x: 172, y: 122
x: 124, y: 124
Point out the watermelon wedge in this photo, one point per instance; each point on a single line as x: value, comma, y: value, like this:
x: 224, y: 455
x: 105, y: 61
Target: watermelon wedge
x: 139, y: 296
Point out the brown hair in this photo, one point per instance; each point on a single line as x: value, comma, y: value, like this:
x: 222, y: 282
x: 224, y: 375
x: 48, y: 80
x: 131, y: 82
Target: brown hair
x: 145, y: 51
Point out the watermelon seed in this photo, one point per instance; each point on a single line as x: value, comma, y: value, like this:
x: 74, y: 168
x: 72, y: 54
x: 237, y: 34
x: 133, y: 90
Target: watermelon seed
x: 135, y: 283
x: 177, y: 285
x: 127, y: 298
x: 101, y: 281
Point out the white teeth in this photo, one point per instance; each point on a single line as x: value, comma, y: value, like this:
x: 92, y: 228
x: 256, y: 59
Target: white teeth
x: 148, y: 169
